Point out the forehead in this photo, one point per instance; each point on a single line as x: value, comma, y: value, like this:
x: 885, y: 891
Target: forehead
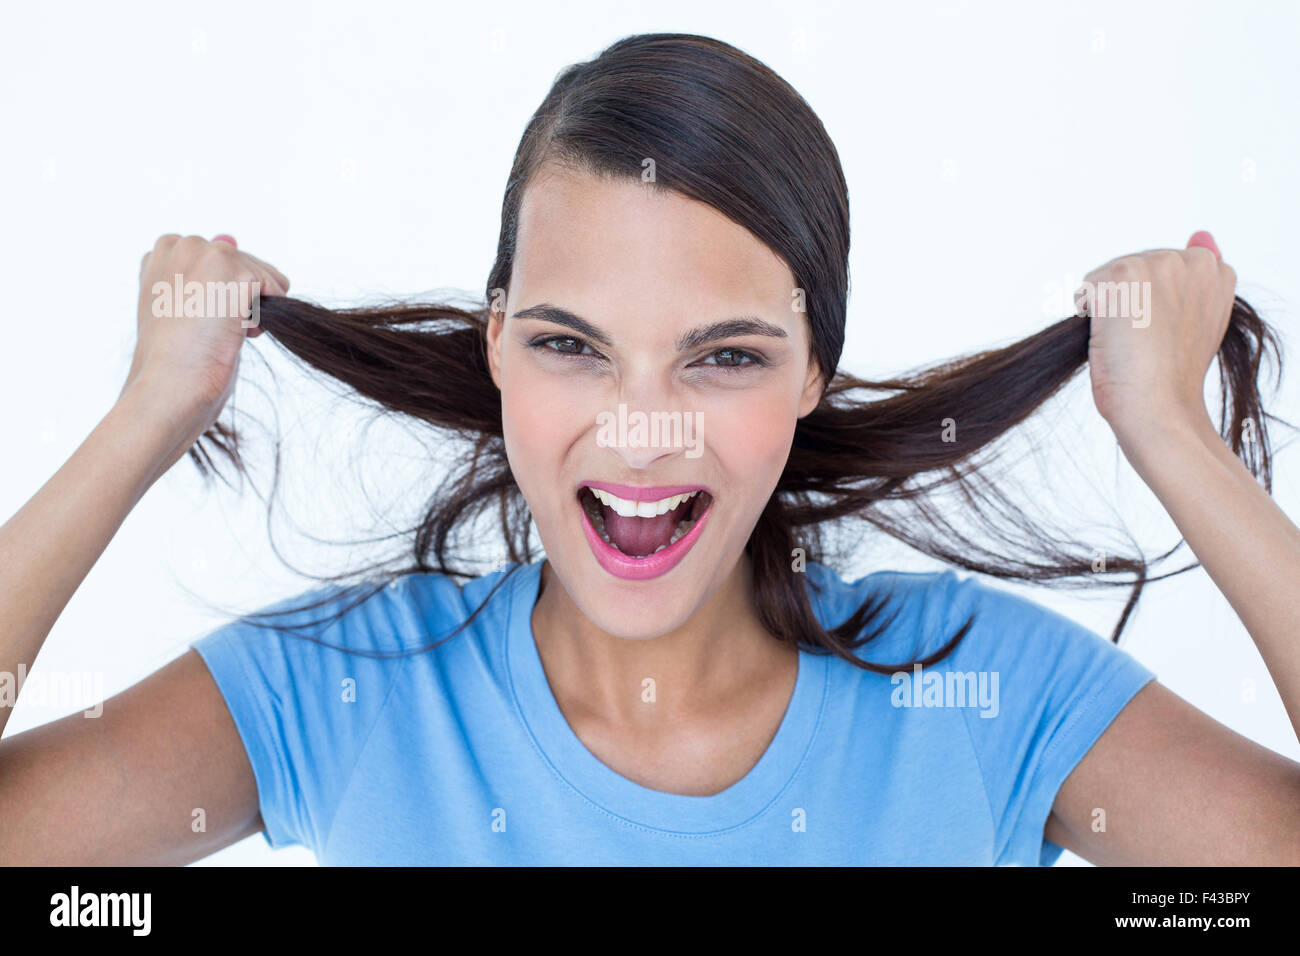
x: 622, y: 248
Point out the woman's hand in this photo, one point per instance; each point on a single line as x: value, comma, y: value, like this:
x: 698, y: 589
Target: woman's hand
x: 1153, y: 339
x: 184, y: 361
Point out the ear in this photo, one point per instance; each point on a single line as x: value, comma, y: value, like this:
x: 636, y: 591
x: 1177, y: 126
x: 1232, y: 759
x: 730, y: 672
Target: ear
x: 813, y: 388
x: 496, y: 325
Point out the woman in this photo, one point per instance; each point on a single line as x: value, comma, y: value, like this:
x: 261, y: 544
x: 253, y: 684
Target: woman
x: 684, y: 678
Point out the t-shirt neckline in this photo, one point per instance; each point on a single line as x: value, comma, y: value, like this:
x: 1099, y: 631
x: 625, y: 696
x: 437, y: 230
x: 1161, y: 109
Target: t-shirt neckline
x: 580, y: 769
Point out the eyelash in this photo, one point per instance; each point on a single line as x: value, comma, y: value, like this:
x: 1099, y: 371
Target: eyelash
x: 754, y: 360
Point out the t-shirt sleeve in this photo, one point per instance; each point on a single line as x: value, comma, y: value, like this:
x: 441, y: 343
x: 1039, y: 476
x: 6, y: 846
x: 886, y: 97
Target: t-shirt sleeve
x: 303, y: 709
x: 1058, y: 687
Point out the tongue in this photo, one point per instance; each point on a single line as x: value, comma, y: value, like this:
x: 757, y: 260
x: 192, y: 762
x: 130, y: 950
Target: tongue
x: 638, y: 537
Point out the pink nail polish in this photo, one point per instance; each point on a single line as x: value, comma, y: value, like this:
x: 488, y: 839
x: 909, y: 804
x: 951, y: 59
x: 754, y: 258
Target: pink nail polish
x: 1203, y: 238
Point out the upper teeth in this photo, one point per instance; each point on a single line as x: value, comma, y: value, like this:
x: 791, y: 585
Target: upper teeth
x: 640, y: 509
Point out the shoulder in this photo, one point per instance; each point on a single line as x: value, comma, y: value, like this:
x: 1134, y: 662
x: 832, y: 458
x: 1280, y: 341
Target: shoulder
x: 307, y: 680
x: 908, y: 609
x: 922, y: 611
x: 370, y: 619
x: 1034, y: 688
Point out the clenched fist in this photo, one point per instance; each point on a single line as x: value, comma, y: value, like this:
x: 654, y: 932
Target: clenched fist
x: 1157, y: 321
x: 198, y: 302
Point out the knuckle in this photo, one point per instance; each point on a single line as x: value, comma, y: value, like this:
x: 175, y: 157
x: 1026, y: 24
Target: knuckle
x: 1127, y: 267
x: 187, y: 248
x: 221, y: 253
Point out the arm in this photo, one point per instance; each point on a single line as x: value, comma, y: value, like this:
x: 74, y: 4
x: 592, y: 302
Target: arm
x: 119, y: 788
x: 1178, y: 787
x: 123, y: 787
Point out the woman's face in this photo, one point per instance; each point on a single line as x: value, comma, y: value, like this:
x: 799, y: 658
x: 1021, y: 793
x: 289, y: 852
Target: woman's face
x: 648, y: 272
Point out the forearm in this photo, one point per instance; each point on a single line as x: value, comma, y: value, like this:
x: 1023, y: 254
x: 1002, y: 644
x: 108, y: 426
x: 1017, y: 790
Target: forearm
x: 49, y: 546
x: 1246, y: 543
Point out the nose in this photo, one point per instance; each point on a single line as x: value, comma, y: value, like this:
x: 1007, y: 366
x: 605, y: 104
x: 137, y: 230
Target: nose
x: 646, y: 428
x: 641, y: 437
x: 646, y: 458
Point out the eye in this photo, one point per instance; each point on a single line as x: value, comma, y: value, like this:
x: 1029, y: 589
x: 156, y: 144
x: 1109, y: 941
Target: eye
x: 569, y: 348
x: 543, y: 344
x: 754, y: 360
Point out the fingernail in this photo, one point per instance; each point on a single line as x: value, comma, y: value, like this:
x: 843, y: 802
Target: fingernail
x: 1203, y: 238
x: 225, y: 238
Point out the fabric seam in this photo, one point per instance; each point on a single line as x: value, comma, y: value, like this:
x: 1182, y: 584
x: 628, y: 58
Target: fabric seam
x: 264, y: 738
x: 1076, y: 716
x: 356, y: 761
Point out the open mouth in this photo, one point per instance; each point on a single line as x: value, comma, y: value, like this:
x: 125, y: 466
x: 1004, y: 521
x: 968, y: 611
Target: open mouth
x: 640, y: 529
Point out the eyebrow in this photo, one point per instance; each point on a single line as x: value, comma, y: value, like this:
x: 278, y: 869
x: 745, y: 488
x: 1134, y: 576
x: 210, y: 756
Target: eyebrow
x: 701, y: 335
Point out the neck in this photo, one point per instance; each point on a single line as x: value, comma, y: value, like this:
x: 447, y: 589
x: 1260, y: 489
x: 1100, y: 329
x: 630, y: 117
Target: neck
x: 720, y: 655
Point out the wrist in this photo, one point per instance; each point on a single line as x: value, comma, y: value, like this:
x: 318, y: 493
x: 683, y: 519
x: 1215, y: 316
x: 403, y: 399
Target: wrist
x: 1149, y: 418
x: 175, y: 406
x: 159, y: 424
x: 1163, y: 438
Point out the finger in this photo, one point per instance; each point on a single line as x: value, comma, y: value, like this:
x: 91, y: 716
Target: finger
x: 281, y: 279
x: 162, y: 244
x: 267, y: 285
x: 1203, y: 238
x: 1081, y: 304
x: 1230, y: 282
x: 270, y: 284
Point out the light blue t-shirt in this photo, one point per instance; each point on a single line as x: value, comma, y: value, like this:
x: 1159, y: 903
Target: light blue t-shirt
x: 460, y: 755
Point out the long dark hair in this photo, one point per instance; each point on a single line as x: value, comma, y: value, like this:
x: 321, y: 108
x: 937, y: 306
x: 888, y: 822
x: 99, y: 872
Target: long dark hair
x: 714, y: 124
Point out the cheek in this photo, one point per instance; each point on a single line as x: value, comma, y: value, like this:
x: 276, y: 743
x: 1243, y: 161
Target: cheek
x: 541, y: 417
x: 751, y: 436
x: 526, y: 426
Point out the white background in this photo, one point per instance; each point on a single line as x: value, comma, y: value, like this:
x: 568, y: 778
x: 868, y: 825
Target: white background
x: 994, y: 153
